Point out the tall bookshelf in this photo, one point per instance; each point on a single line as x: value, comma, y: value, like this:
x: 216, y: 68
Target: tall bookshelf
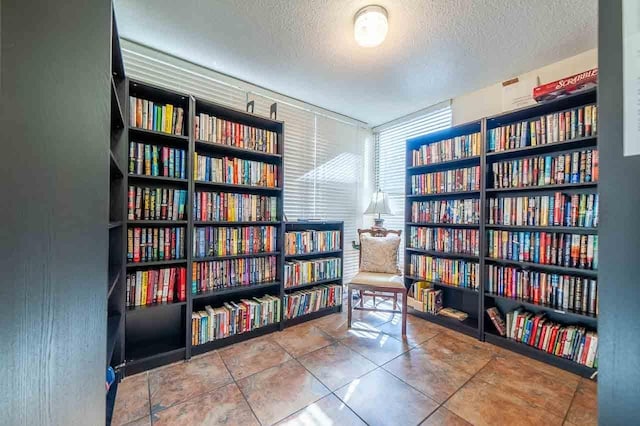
x: 160, y: 333
x: 460, y: 297
x: 475, y: 303
x: 117, y: 206
x: 217, y: 297
x: 332, y: 253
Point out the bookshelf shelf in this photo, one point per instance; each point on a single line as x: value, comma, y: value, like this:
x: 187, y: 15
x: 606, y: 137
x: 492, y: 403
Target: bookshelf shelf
x: 114, y: 165
x: 158, y: 178
x: 312, y: 315
x: 235, y: 151
x: 235, y: 256
x: 573, y: 315
x: 567, y: 229
x: 154, y: 306
x: 235, y: 290
x: 539, y: 355
x: 158, y: 136
x: 468, y: 326
x: 157, y: 222
x: 544, y: 267
x: 312, y: 255
x: 436, y: 253
x: 315, y: 283
x: 113, y: 331
x: 241, y: 223
x: 441, y: 284
x: 572, y: 144
x: 115, y: 224
x: 468, y: 300
x: 237, y: 338
x: 444, y: 195
x: 444, y: 225
x: 313, y: 225
x: 452, y: 164
x: 117, y: 116
x: 232, y: 187
x: 144, y: 355
x: 544, y: 187
x: 156, y: 263
x: 113, y: 281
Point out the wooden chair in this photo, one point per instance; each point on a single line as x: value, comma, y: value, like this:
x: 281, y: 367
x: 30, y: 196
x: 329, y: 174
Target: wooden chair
x: 378, y: 284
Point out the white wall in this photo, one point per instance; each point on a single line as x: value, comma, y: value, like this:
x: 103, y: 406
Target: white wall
x: 488, y: 101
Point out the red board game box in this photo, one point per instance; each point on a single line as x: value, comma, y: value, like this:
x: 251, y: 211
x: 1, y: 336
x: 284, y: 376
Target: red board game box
x: 566, y: 86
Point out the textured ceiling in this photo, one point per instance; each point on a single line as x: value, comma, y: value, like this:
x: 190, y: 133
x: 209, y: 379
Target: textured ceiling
x: 435, y: 49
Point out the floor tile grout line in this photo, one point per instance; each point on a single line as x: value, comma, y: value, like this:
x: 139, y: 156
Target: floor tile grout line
x: 573, y: 397
x: 240, y: 389
x: 458, y: 390
x: 149, y: 397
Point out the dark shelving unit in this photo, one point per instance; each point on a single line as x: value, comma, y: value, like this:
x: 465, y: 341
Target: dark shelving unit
x: 478, y: 324
x: 237, y: 290
x: 313, y: 225
x: 460, y: 298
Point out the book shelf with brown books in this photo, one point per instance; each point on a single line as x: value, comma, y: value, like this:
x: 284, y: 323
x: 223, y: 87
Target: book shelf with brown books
x: 541, y: 220
x: 443, y: 227
x: 314, y: 259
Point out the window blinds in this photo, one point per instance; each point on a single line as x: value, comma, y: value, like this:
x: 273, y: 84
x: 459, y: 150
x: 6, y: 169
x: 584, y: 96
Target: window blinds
x: 325, y: 154
x: 390, y: 140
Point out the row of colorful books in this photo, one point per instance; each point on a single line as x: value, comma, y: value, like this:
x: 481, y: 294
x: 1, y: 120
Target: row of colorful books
x: 548, y: 248
x: 222, y: 206
x: 153, y: 160
x: 156, y: 203
x: 447, y: 150
x: 232, y: 241
x: 311, y: 241
x: 447, y: 240
x: 153, y: 244
x: 466, y: 179
x: 557, y: 291
x: 236, y: 171
x: 300, y: 272
x: 212, y: 129
x: 573, y: 167
x: 166, y: 285
x: 576, y: 210
x: 233, y: 318
x: 149, y: 115
x: 430, y: 297
x: 459, y: 273
x: 566, y: 341
x: 304, y: 302
x: 243, y: 272
x: 459, y: 212
x: 550, y: 128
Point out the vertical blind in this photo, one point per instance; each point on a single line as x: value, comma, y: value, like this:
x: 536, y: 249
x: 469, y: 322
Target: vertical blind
x: 390, y: 145
x: 325, y: 154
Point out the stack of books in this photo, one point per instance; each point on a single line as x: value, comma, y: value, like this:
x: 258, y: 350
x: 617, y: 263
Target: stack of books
x: 154, y: 244
x: 447, y: 240
x: 221, y: 274
x: 212, y: 129
x: 165, y: 285
x: 453, y: 272
x: 156, y: 203
x: 300, y: 272
x: 458, y: 180
x: 312, y: 241
x: 153, y: 160
x: 304, y: 302
x: 466, y: 211
x: 227, y: 241
x: 234, y: 171
x: 448, y: 150
x: 221, y: 207
x: 166, y: 118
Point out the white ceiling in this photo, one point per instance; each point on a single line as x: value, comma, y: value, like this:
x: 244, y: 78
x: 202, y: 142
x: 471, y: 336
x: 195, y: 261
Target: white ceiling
x: 435, y: 49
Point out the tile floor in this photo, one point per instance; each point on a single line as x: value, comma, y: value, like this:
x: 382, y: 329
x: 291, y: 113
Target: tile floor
x: 321, y: 373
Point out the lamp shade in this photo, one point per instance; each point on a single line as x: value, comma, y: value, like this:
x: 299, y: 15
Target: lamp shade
x: 379, y: 204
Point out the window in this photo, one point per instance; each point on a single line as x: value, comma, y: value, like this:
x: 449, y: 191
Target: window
x: 390, y: 145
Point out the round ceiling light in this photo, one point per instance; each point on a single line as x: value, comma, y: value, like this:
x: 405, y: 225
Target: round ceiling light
x: 370, y: 26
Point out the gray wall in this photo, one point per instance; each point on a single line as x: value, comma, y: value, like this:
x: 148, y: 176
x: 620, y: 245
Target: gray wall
x: 619, y: 271
x: 54, y: 111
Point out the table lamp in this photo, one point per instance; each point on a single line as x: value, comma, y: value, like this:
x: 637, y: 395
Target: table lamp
x: 379, y: 205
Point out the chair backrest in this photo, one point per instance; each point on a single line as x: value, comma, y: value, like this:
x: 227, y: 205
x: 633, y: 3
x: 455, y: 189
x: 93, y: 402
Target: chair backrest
x: 375, y: 232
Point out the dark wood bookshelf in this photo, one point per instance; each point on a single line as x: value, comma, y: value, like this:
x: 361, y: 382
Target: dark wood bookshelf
x: 113, y: 332
x: 158, y: 178
x: 544, y: 267
x: 236, y: 338
x: 313, y: 254
x: 441, y: 284
x: 443, y: 254
x: 156, y: 263
x: 235, y: 256
x: 478, y: 324
x: 155, y: 306
x: 313, y: 225
x: 565, y: 229
x: 115, y: 169
x: 444, y: 225
x: 144, y: 222
x: 225, y: 149
x: 237, y: 290
x: 157, y: 135
x: 117, y: 116
x: 234, y: 186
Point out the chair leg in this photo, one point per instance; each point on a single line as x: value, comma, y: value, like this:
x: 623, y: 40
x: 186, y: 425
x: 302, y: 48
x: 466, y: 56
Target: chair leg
x: 404, y: 314
x: 395, y: 301
x: 349, y: 302
x: 361, y: 299
x: 374, y: 300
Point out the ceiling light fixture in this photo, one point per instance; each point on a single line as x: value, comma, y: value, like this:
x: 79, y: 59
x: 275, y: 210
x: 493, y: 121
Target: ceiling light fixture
x: 370, y: 26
